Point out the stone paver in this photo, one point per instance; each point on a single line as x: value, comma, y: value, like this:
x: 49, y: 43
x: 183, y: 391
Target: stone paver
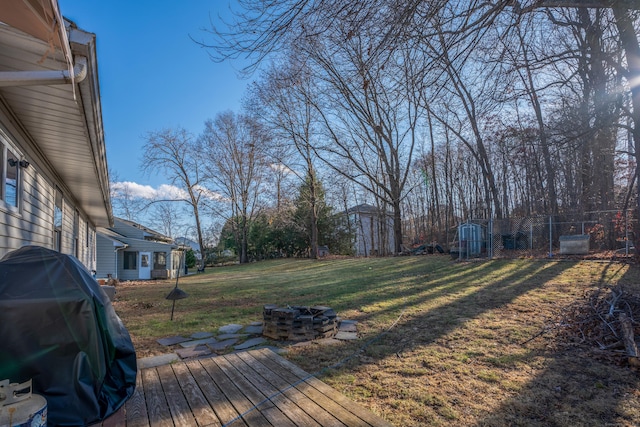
x: 253, y: 330
x: 198, y: 342
x: 204, y: 343
x: 250, y: 343
x: 348, y: 327
x: 201, y: 335
x: 230, y: 329
x: 222, y: 345
x: 197, y: 351
x: 346, y: 335
x: 151, y: 362
x: 172, y: 340
x: 229, y: 336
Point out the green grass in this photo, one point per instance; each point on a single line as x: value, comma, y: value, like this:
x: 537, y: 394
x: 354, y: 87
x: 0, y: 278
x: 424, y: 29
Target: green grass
x: 442, y: 342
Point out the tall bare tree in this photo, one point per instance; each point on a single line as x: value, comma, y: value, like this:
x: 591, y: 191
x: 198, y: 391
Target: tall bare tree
x: 284, y: 93
x: 454, y: 33
x: 233, y: 149
x: 173, y: 151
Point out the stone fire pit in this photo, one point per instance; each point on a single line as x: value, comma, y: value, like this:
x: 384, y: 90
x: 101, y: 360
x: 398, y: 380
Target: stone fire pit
x: 299, y: 323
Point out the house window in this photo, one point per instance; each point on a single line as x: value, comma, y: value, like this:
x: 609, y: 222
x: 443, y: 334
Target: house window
x: 130, y: 260
x: 76, y: 234
x: 159, y: 260
x: 9, y: 174
x: 57, y: 221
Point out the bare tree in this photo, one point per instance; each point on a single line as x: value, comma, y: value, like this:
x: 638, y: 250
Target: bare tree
x: 168, y: 218
x: 125, y: 203
x: 173, y: 151
x: 284, y: 92
x: 233, y: 148
x: 452, y: 34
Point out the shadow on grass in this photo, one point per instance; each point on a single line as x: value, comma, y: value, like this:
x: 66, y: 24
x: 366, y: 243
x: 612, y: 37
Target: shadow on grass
x: 429, y: 307
x: 576, y: 388
x: 438, y: 304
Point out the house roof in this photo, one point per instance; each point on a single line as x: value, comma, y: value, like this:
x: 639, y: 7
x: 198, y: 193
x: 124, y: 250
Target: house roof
x: 149, y: 234
x: 116, y: 238
x: 60, y: 121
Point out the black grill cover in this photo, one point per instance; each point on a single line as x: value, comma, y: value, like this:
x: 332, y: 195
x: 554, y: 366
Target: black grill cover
x: 58, y: 327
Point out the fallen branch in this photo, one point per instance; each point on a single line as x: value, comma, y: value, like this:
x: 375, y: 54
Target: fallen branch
x: 606, y: 320
x: 627, y: 335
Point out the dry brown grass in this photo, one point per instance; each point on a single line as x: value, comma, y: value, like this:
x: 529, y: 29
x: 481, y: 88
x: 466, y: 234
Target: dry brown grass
x: 442, y: 343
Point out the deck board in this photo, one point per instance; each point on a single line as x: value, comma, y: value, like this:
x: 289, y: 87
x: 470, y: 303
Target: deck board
x: 180, y: 411
x: 296, y: 415
x: 217, y: 400
x: 238, y: 399
x: 135, y: 407
x: 255, y: 388
x: 202, y: 412
x: 321, y: 415
x: 157, y: 407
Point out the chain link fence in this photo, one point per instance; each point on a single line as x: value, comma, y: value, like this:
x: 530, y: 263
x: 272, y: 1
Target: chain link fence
x: 592, y: 234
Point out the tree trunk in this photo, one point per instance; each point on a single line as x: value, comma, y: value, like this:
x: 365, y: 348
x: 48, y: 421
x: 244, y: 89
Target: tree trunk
x: 630, y: 44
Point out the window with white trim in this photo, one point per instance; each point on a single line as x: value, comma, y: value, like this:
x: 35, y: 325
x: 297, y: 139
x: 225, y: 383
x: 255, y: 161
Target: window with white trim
x: 76, y: 234
x: 10, y: 176
x: 57, y: 221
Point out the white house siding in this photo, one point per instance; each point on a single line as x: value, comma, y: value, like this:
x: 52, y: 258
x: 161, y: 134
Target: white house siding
x: 32, y: 222
x: 106, y: 263
x: 143, y: 246
x: 127, y: 230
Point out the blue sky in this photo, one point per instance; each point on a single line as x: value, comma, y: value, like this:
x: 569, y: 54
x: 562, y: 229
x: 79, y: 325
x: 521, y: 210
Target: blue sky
x: 152, y: 75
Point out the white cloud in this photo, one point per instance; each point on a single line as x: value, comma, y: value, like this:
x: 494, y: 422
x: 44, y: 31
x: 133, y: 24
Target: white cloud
x: 163, y: 192
x: 171, y: 192
x: 133, y: 190
x: 281, y: 168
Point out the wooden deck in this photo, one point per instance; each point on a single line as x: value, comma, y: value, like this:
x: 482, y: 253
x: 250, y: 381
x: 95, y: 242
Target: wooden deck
x: 252, y: 388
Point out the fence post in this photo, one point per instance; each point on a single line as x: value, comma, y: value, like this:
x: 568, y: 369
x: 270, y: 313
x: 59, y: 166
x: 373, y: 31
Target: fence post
x: 490, y: 243
x: 626, y: 233
x: 550, y: 237
x: 531, y: 236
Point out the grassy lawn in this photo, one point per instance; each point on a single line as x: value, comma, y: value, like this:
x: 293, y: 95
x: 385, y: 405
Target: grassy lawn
x: 442, y: 342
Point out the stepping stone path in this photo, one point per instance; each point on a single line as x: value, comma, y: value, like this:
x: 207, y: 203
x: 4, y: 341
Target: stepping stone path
x: 222, y: 345
x: 201, y: 335
x: 172, y: 340
x: 194, y: 351
x: 195, y: 343
x: 234, y: 337
x: 253, y: 330
x: 250, y: 343
x: 229, y: 336
x: 230, y: 329
x: 348, y: 326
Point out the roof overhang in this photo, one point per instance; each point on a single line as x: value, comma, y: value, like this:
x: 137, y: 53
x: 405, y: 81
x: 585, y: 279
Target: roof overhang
x: 114, y: 237
x: 61, y: 121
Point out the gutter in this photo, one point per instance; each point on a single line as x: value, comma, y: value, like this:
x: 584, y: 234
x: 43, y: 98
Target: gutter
x: 116, y: 260
x: 46, y: 77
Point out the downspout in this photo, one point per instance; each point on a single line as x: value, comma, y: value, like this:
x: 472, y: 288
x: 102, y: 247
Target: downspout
x: 116, y: 260
x: 45, y: 77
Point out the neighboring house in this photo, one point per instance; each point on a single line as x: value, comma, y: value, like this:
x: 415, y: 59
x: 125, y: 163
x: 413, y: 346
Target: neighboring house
x: 130, y: 251
x: 54, y: 182
x: 373, y: 230
x: 190, y: 244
